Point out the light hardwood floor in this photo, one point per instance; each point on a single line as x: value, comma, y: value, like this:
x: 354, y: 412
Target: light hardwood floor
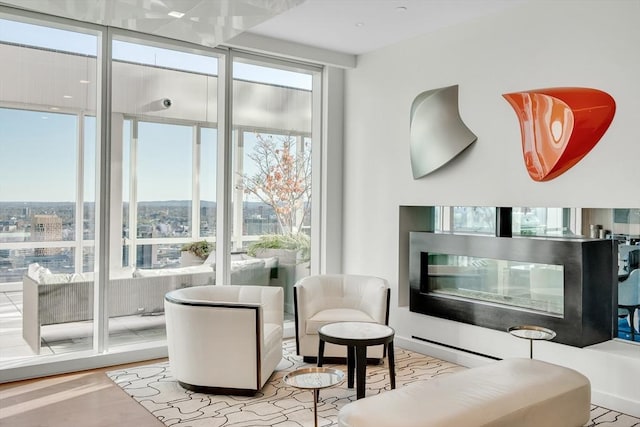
x: 83, y: 399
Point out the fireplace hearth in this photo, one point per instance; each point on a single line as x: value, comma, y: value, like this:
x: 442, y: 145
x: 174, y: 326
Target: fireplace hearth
x: 566, y: 285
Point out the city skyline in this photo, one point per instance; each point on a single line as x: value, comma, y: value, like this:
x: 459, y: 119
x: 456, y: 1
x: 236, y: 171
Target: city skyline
x: 156, y: 219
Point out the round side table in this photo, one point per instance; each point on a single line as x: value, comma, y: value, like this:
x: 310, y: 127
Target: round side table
x: 314, y: 379
x: 357, y: 336
x: 532, y: 333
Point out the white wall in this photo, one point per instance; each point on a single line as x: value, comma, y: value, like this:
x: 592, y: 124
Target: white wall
x: 538, y: 45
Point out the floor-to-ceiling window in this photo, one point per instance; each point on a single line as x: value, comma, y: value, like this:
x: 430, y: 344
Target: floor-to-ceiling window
x: 164, y: 155
x: 272, y: 174
x: 48, y: 137
x: 163, y: 195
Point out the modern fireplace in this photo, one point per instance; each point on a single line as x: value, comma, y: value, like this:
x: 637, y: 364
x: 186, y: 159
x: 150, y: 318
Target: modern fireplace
x: 496, y: 282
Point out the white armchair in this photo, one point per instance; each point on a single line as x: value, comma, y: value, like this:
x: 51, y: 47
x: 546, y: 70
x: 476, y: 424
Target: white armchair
x: 224, y: 339
x: 323, y: 299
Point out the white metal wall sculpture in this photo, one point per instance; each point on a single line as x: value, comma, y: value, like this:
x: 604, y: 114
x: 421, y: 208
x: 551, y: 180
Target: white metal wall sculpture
x: 438, y: 134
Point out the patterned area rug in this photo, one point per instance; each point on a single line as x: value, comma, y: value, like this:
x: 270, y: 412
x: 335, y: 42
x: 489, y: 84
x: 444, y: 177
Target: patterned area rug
x: 281, y: 405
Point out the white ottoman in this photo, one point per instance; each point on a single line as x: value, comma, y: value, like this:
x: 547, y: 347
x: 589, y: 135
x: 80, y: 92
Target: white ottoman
x: 508, y: 393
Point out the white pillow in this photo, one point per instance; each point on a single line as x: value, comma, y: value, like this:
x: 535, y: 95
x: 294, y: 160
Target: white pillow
x: 36, y: 271
x: 82, y: 277
x: 54, y: 278
x: 44, y: 276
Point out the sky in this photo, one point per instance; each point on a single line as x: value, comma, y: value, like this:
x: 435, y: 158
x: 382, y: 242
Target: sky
x: 38, y: 149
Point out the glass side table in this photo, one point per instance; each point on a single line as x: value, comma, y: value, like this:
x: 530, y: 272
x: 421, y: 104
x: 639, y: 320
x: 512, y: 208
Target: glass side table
x: 532, y: 333
x: 314, y: 379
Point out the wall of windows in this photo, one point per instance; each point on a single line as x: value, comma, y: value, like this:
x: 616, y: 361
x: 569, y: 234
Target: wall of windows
x: 168, y: 177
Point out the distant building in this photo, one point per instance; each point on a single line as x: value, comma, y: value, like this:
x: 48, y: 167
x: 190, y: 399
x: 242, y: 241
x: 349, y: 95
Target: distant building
x: 46, y: 228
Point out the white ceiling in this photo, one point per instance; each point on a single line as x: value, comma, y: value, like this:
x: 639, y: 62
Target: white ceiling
x: 205, y: 22
x: 345, y: 26
x: 360, y: 26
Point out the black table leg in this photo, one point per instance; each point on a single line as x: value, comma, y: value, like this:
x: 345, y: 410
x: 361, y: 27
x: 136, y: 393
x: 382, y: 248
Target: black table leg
x: 357, y: 341
x: 361, y: 370
x: 351, y: 364
x: 320, y: 352
x: 392, y: 365
x: 316, y: 395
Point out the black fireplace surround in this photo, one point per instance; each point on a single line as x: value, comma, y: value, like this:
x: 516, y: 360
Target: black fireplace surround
x: 588, y: 274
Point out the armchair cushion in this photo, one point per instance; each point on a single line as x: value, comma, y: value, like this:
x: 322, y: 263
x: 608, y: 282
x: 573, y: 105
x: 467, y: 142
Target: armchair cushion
x: 330, y: 315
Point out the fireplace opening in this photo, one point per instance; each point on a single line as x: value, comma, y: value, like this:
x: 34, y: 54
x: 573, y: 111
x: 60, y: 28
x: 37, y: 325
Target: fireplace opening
x: 521, y: 285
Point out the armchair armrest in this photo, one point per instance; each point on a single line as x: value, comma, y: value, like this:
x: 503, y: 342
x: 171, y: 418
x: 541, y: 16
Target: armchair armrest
x: 375, y: 300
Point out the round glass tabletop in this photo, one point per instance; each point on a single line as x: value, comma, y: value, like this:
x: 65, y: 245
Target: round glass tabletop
x: 531, y: 332
x: 314, y: 378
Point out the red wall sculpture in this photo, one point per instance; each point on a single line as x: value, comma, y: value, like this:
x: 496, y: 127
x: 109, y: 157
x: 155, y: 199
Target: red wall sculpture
x: 560, y: 126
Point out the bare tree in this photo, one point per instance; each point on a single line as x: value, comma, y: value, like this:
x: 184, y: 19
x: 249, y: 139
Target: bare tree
x: 283, y: 178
